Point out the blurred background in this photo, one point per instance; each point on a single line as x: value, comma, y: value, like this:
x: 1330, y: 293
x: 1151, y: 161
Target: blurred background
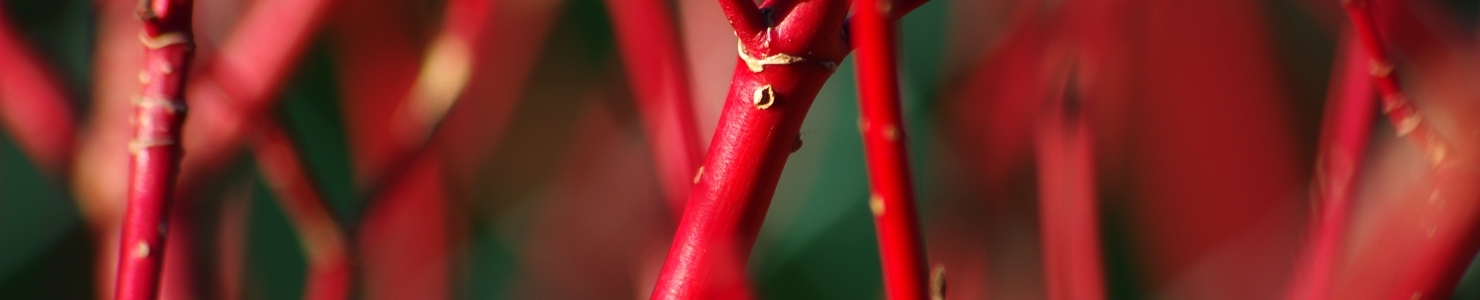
x: 540, y: 184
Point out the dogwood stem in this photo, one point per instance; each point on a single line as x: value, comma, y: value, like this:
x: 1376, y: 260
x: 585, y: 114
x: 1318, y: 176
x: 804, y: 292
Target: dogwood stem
x: 892, y: 200
x: 159, y: 112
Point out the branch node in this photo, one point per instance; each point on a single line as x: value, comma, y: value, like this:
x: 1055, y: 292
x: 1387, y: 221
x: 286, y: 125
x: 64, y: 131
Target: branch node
x: 163, y: 40
x: 173, y: 106
x: 757, y: 65
x: 1408, y: 124
x: 140, y: 144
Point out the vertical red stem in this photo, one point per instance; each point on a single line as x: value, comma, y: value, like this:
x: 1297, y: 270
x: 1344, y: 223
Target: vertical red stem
x: 159, y: 111
x: 1067, y: 210
x: 322, y: 237
x: 777, y: 77
x: 892, y: 200
x: 655, y: 66
x: 1343, y: 142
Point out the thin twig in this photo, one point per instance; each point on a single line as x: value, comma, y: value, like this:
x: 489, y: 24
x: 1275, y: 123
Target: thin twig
x: 892, y: 199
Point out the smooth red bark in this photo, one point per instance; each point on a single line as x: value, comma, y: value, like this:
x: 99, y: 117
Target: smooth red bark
x: 775, y: 82
x: 892, y: 201
x: 159, y: 112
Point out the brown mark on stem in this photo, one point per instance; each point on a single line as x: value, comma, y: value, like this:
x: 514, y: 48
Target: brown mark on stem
x: 764, y: 97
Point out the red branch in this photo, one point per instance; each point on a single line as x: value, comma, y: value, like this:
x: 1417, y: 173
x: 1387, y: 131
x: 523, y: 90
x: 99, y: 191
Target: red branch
x: 892, y: 198
x: 1343, y: 142
x: 1067, y: 209
x: 159, y: 111
x: 1397, y: 107
x: 1438, y: 261
x: 655, y: 67
x: 775, y: 81
x: 322, y: 237
x: 33, y: 105
x: 236, y: 88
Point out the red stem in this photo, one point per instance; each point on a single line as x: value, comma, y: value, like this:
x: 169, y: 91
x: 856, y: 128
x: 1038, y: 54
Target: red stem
x: 1343, y: 142
x: 1067, y: 209
x: 655, y: 66
x: 892, y: 198
x: 159, y: 112
x: 775, y: 82
x: 1398, y: 108
x: 322, y: 236
x: 33, y: 105
x: 1451, y: 240
x: 746, y: 19
x: 235, y: 88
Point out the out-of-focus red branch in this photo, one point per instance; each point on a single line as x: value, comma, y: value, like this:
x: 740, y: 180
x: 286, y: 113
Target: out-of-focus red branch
x: 452, y: 60
x: 322, y: 237
x: 655, y: 67
x: 892, y: 199
x: 1398, y: 108
x: 775, y: 81
x: 33, y: 104
x: 1450, y: 238
x: 1343, y: 142
x: 159, y: 112
x: 1068, y: 211
x: 238, y: 85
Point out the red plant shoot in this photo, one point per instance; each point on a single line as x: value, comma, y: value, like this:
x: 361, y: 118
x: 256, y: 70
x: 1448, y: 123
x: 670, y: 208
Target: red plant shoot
x: 159, y: 112
x: 891, y: 200
x: 782, y: 66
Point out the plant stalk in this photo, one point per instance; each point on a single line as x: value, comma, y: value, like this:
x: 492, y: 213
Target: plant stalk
x: 891, y: 199
x: 159, y: 112
x: 780, y: 71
